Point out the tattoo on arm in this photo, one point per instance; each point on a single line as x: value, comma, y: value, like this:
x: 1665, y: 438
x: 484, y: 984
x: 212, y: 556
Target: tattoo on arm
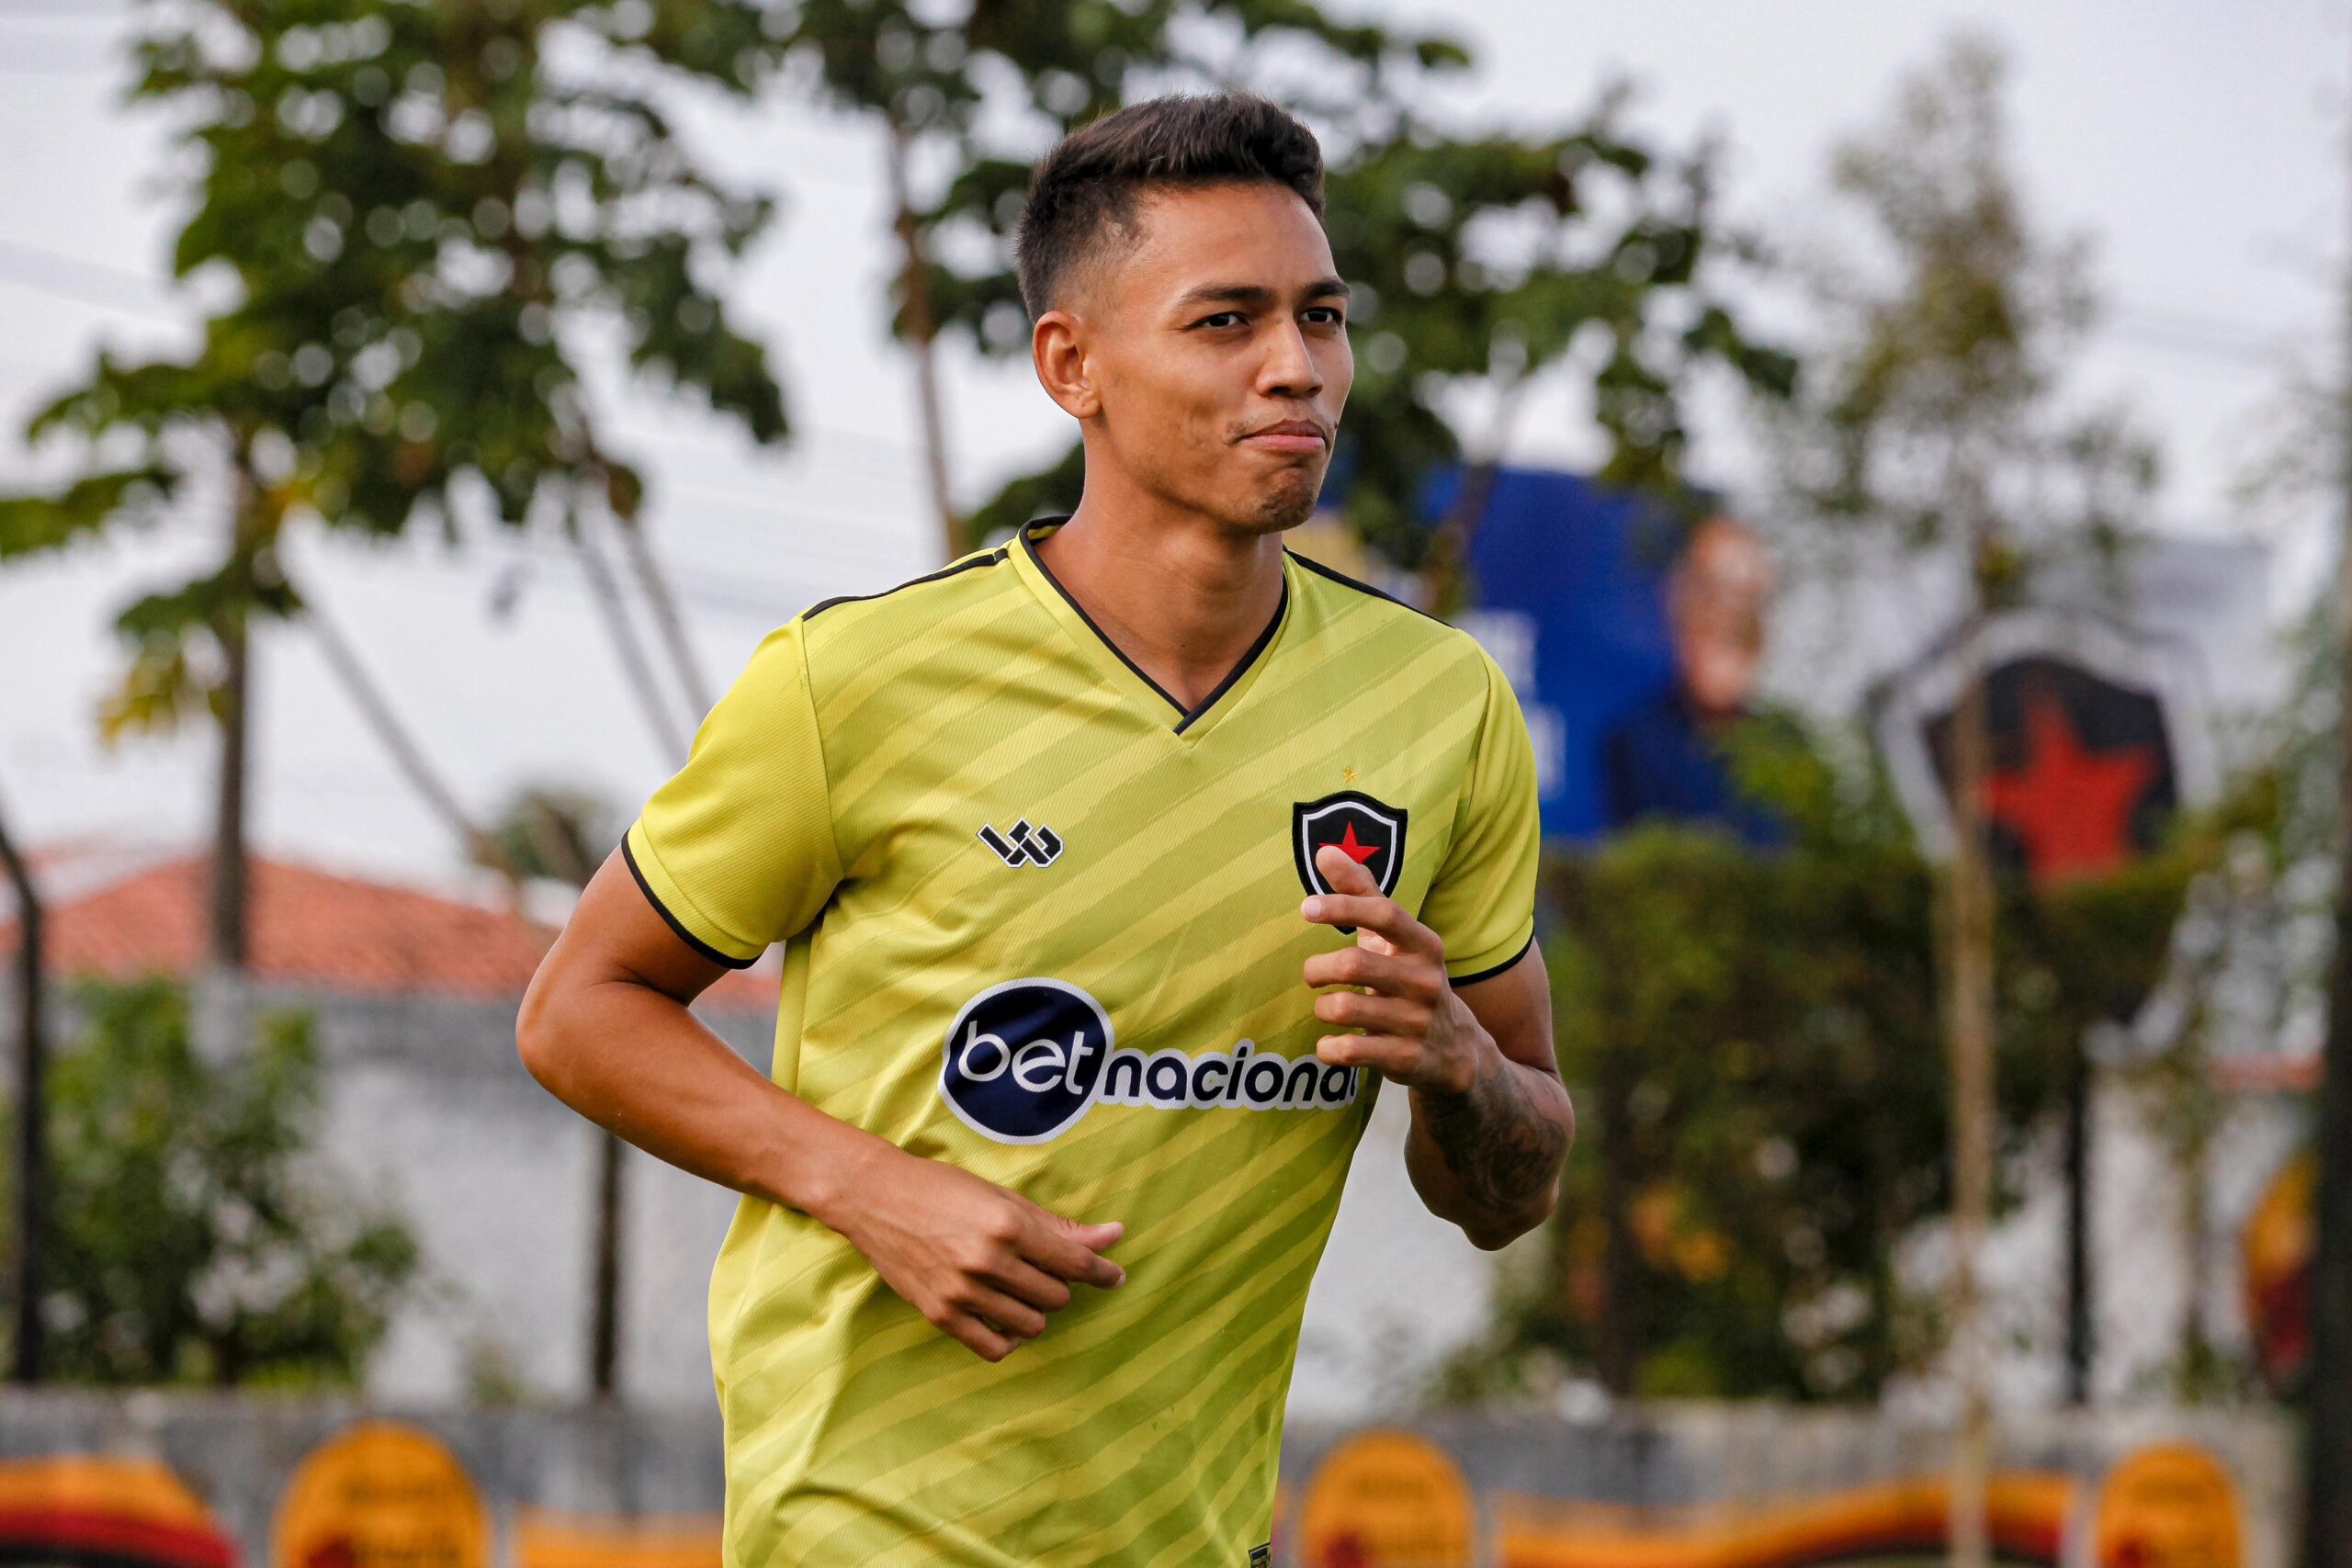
x: 1497, y: 1139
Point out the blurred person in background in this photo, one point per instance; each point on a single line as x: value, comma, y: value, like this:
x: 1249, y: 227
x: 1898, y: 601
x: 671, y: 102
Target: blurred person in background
x: 1668, y: 758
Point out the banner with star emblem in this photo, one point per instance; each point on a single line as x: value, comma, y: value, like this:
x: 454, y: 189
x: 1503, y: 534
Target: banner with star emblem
x: 2097, y: 738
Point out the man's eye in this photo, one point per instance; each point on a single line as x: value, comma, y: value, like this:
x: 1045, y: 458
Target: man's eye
x: 1330, y: 311
x: 1220, y: 316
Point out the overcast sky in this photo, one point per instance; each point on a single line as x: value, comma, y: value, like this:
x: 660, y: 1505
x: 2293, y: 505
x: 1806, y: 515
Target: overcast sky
x: 2196, y: 144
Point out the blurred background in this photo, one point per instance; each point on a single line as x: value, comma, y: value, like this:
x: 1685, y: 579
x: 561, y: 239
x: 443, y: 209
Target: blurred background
x: 1898, y: 450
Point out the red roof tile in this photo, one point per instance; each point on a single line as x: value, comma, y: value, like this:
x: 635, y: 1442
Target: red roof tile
x: 316, y: 928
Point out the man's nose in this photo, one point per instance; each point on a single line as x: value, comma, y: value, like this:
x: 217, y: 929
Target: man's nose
x: 1289, y: 369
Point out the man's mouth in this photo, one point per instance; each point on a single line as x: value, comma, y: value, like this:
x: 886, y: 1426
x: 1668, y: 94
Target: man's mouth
x: 1290, y: 435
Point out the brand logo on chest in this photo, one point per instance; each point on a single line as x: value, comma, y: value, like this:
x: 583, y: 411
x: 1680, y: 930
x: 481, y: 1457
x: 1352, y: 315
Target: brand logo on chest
x: 1023, y: 844
x: 1025, y: 1060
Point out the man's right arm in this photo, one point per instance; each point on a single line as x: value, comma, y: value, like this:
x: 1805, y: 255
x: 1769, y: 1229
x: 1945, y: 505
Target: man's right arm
x: 605, y: 1028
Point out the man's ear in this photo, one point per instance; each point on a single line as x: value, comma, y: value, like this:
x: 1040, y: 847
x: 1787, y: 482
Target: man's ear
x: 1057, y: 348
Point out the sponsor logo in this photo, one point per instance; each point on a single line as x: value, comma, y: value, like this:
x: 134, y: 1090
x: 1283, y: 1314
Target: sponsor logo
x: 1022, y: 845
x: 1025, y: 1059
x: 1370, y: 833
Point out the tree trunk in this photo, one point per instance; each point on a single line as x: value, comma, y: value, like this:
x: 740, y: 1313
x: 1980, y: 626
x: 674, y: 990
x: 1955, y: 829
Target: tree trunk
x: 2327, y: 1431
x: 634, y: 664
x: 1970, y: 1023
x: 604, y: 1329
x: 656, y: 584
x: 2327, y: 1472
x: 2079, y: 1343
x: 605, y: 1288
x: 407, y: 755
x: 32, y: 1152
x: 2196, y: 1241
x: 229, y: 947
x: 1445, y: 570
x: 922, y: 326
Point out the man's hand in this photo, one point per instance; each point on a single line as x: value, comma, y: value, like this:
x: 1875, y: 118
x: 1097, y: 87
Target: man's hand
x: 983, y: 1264
x: 1491, y: 1120
x: 605, y: 1027
x: 1415, y: 1030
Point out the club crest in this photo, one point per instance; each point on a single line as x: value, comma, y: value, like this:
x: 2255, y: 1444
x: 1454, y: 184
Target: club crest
x: 1372, y: 833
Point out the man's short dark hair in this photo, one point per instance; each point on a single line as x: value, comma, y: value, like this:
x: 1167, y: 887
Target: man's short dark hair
x: 1086, y: 189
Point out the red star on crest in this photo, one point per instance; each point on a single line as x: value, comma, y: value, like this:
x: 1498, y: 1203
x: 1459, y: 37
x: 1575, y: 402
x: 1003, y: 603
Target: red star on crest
x: 1348, y: 846
x: 2069, y: 806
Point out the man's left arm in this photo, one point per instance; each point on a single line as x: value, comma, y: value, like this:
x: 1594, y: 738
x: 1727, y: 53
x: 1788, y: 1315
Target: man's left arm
x: 1491, y: 1120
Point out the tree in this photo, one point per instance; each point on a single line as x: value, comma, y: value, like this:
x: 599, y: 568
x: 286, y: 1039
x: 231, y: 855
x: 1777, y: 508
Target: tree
x: 553, y: 830
x: 191, y: 1239
x: 564, y: 833
x: 426, y: 224
x: 1753, y: 1040
x: 1932, y: 416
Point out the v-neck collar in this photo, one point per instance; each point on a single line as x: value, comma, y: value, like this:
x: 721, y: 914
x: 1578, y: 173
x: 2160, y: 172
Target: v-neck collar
x: 1082, y: 628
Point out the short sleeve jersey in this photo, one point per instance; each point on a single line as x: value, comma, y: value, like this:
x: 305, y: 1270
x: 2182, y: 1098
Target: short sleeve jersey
x: 1042, y: 921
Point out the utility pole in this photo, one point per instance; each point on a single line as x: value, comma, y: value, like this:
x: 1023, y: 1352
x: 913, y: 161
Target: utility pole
x: 1969, y: 1024
x: 2079, y: 1320
x: 2327, y: 1434
x: 32, y: 1152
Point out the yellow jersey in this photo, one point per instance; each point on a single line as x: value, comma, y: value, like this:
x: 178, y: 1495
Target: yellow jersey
x: 1041, y: 922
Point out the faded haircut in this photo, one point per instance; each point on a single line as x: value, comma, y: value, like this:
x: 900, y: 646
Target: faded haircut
x: 1083, y: 197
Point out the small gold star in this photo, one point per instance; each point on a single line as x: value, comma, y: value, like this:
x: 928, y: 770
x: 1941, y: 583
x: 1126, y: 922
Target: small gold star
x: 1347, y: 774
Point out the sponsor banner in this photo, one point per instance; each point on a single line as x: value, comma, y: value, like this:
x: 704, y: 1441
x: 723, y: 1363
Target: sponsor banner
x: 2276, y: 1248
x: 1388, y: 1499
x: 1893, y: 1520
x: 2170, y: 1506
x: 87, y: 1511
x: 548, y: 1538
x: 381, y: 1495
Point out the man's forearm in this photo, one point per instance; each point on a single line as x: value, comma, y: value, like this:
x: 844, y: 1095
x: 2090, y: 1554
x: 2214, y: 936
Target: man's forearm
x: 639, y: 1063
x: 982, y: 1263
x: 1490, y: 1158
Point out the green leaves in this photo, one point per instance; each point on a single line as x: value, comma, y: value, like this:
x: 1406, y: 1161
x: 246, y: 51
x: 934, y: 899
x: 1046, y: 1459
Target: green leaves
x: 415, y: 206
x: 82, y: 508
x: 185, y: 1247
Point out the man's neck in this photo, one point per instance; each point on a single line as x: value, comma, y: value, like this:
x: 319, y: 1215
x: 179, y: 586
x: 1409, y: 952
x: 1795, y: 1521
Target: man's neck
x: 1183, y: 598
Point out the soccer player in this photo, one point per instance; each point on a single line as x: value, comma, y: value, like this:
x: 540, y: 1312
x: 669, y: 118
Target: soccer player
x: 1117, y: 866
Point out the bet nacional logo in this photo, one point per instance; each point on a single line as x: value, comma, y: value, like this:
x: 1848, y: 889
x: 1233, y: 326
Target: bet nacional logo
x: 1025, y: 1059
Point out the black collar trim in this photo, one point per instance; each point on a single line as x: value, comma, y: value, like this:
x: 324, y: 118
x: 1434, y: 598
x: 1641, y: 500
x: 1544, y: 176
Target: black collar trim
x: 1319, y: 569
x: 1186, y: 717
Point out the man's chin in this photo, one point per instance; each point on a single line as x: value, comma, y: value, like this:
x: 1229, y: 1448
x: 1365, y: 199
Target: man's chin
x: 1281, y: 509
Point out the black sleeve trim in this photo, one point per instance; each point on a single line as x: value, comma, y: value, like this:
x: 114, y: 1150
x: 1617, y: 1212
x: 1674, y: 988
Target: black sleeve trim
x: 674, y: 924
x: 992, y: 558
x: 1490, y: 974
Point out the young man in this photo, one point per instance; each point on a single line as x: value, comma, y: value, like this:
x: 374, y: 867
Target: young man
x: 1068, y: 1074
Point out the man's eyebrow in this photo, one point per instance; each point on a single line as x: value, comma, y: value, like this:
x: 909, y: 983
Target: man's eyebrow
x: 1257, y: 293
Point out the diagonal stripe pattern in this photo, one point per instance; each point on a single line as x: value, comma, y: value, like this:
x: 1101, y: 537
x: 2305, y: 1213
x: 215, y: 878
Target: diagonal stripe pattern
x: 1043, y: 923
